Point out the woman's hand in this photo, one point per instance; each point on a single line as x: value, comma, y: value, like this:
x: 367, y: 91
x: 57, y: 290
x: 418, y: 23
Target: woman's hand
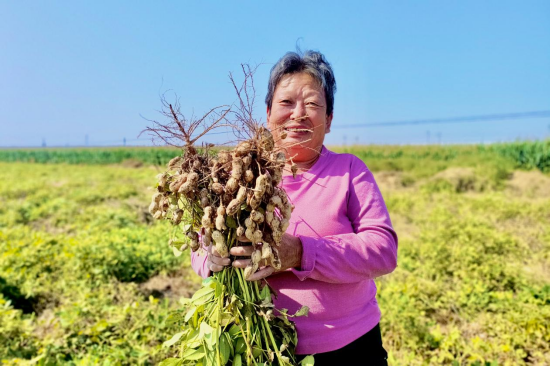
x: 290, y: 255
x: 214, y: 261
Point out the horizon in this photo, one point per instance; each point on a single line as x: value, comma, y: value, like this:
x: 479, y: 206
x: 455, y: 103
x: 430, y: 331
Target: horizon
x: 443, y: 144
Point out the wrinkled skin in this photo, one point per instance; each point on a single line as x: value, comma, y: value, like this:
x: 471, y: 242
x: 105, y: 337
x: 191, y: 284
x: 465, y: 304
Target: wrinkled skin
x: 299, y: 108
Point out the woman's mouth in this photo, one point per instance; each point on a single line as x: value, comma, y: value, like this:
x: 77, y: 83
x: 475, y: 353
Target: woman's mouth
x: 297, y: 129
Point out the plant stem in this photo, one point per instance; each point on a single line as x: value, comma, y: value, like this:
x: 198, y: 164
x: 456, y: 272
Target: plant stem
x: 267, y: 325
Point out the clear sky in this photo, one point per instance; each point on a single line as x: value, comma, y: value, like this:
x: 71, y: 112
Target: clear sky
x: 73, y: 72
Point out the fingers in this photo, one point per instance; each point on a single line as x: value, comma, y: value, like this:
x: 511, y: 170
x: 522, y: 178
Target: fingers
x: 220, y: 261
x: 241, y: 263
x: 242, y: 251
x: 216, y: 263
x: 261, y: 273
x: 243, y: 239
x: 214, y: 267
x: 211, y: 250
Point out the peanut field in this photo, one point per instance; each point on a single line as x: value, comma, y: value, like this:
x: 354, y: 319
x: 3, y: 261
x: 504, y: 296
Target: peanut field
x: 87, y: 277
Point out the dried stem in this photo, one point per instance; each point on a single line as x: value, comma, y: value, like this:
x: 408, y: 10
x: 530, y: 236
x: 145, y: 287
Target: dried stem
x: 181, y: 132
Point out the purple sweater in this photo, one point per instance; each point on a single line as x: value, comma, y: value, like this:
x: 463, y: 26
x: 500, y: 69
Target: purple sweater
x: 347, y: 239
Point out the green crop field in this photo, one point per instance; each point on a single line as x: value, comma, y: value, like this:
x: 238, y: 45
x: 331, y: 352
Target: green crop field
x: 86, y: 276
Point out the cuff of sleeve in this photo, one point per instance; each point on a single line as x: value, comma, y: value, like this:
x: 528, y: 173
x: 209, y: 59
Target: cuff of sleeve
x: 309, y: 251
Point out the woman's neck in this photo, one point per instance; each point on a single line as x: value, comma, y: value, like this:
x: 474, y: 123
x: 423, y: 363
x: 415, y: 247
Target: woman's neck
x: 302, y: 165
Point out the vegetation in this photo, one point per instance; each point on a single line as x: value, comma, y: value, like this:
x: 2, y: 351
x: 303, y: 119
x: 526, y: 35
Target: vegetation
x: 115, y: 155
x: 86, y: 276
x: 521, y: 155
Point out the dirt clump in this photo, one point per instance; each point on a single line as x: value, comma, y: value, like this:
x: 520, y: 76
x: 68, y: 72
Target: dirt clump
x: 172, y: 287
x: 532, y: 184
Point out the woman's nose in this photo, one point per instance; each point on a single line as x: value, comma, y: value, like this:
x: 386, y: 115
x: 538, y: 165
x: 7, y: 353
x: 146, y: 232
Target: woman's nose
x: 299, y: 111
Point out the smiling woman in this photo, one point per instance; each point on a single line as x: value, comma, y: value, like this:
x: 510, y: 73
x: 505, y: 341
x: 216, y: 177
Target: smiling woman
x: 339, y: 237
x: 299, y: 111
x: 300, y: 99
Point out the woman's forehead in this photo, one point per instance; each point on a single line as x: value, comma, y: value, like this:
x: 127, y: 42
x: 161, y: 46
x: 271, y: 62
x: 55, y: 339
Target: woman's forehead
x: 288, y: 79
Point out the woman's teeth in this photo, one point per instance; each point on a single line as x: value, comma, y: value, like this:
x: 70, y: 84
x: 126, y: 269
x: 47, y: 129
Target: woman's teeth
x: 297, y: 130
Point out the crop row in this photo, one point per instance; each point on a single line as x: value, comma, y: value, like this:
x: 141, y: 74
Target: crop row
x: 523, y: 155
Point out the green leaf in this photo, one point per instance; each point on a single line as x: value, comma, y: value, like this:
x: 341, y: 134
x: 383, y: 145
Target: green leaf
x: 193, y: 340
x: 307, y: 361
x: 286, y: 337
x: 303, y: 311
x: 190, y: 313
x: 171, y: 362
x: 211, y: 359
x: 194, y: 354
x: 176, y: 252
x: 237, y: 360
x: 225, y: 349
x: 175, y: 338
x: 256, y: 352
x: 230, y: 222
x: 208, y: 281
x: 195, y: 318
x: 226, y: 319
x: 218, y: 289
x: 234, y: 330
x: 284, y: 316
x: 204, y: 329
x: 265, y: 294
x: 214, y: 318
x: 230, y: 343
x: 211, y: 339
x: 202, y: 296
x: 239, y: 345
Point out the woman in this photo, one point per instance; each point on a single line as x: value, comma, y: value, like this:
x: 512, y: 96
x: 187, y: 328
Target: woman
x: 340, y: 236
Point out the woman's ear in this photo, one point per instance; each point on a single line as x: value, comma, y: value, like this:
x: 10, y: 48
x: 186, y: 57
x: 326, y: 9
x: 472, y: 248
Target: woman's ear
x: 328, y: 121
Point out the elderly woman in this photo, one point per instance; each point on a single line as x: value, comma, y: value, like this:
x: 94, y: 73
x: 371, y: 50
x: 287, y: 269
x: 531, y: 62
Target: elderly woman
x: 340, y: 236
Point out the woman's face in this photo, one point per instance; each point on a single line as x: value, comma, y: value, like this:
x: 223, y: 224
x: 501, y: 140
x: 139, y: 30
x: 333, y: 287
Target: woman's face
x: 299, y: 110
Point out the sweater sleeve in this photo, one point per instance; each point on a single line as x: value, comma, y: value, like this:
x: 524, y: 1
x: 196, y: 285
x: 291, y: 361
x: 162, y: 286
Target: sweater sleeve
x: 369, y: 252
x: 199, y: 262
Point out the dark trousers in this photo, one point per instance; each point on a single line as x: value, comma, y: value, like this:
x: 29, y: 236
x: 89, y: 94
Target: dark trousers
x: 365, y: 351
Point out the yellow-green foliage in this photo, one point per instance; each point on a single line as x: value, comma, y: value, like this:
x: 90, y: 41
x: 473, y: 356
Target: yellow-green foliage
x: 522, y: 155
x: 472, y: 283
x: 76, y: 246
x: 132, y: 155
x: 79, y: 254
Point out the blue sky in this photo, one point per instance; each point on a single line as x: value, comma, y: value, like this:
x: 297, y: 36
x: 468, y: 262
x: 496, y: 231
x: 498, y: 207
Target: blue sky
x: 71, y: 69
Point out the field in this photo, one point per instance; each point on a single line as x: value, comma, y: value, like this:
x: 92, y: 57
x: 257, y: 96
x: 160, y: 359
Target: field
x: 86, y: 276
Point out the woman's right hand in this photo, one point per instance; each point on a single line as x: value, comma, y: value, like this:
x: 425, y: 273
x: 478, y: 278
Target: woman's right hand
x: 215, y: 262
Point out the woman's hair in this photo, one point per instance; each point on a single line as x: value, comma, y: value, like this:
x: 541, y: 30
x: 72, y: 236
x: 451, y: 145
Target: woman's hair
x: 310, y: 62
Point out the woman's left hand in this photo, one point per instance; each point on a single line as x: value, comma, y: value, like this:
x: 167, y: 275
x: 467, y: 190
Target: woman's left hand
x: 290, y: 255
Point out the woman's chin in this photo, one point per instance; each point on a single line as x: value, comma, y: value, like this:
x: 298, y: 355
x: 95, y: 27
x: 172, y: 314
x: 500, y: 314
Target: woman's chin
x: 297, y: 138
x: 295, y: 145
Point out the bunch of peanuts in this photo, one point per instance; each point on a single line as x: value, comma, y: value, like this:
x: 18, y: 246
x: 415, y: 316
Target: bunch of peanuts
x: 225, y: 196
